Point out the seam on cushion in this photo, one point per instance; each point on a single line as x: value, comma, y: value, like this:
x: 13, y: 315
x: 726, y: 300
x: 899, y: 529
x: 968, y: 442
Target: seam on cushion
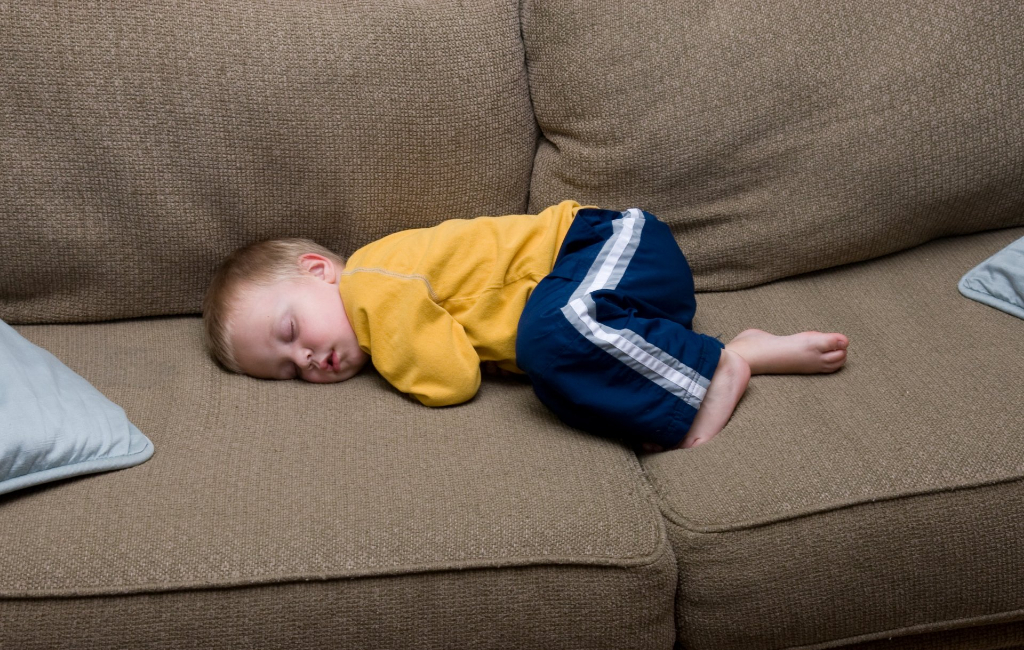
x: 538, y: 133
x: 691, y: 526
x: 661, y: 550
x: 949, y: 625
x: 665, y: 556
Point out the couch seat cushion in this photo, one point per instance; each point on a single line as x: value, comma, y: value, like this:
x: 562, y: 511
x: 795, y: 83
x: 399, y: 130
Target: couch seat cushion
x: 885, y: 500
x: 346, y: 515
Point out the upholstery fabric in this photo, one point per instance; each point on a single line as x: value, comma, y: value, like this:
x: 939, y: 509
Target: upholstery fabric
x: 143, y: 142
x: 378, y: 500
x: 779, y: 138
x: 882, y: 501
x: 533, y: 608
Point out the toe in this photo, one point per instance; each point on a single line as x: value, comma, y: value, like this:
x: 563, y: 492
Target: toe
x: 834, y: 360
x: 832, y: 342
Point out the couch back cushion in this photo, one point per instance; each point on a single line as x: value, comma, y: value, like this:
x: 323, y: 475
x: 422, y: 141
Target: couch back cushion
x: 141, y: 144
x: 779, y: 138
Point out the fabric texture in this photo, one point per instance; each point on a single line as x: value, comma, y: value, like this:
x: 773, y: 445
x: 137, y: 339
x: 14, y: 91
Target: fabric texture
x: 531, y: 608
x: 780, y: 138
x: 335, y: 512
x: 53, y: 423
x: 606, y: 337
x: 998, y: 281
x: 429, y: 305
x: 881, y: 501
x: 142, y: 143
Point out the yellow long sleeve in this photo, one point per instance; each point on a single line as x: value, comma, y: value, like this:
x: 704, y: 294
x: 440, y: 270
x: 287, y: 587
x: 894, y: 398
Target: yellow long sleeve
x: 430, y: 304
x: 399, y: 315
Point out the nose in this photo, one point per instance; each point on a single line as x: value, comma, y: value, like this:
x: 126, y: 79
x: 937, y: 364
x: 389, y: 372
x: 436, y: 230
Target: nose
x: 302, y: 357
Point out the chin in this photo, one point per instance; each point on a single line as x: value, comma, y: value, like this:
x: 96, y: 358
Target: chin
x: 327, y: 379
x: 336, y: 377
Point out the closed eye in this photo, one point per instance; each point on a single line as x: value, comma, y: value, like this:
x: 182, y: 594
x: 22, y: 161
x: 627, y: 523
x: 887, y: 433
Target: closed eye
x: 284, y: 331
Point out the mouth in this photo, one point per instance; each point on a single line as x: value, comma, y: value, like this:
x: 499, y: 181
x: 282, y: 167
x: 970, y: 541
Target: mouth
x: 330, y: 362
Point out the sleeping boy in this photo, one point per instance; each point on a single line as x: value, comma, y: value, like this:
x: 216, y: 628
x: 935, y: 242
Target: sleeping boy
x: 594, y: 306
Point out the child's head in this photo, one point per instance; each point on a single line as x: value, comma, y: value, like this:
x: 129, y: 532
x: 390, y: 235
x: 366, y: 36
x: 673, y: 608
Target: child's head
x: 273, y: 311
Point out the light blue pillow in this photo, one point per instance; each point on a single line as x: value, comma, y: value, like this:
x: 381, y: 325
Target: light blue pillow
x: 53, y: 423
x: 999, y: 281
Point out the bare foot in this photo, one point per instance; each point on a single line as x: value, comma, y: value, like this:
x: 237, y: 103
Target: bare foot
x: 727, y: 387
x: 803, y: 353
x: 758, y: 352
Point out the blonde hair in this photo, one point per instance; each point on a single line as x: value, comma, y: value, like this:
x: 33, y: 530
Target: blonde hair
x: 260, y: 264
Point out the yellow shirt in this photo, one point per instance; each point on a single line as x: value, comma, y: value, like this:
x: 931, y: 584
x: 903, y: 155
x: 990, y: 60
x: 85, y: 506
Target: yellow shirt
x: 430, y: 304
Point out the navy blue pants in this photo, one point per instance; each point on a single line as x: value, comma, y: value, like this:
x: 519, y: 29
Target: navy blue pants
x: 606, y: 338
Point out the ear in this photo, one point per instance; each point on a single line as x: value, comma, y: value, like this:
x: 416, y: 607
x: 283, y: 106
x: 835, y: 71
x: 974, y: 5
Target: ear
x: 319, y: 266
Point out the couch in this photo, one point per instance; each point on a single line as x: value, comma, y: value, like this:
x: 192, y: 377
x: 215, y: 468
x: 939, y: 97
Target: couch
x: 829, y: 166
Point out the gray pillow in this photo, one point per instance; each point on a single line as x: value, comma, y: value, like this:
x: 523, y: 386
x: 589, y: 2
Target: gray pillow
x: 999, y: 281
x: 53, y: 423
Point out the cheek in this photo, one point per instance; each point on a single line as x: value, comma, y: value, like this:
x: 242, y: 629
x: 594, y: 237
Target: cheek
x: 350, y: 337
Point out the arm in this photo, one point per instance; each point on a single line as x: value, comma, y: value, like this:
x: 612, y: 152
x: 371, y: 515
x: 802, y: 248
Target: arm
x: 416, y: 345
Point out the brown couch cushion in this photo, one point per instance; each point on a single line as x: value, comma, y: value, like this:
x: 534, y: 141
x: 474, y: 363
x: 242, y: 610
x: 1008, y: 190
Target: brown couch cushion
x: 785, y: 137
x: 346, y: 515
x: 142, y: 143
x: 882, y: 501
